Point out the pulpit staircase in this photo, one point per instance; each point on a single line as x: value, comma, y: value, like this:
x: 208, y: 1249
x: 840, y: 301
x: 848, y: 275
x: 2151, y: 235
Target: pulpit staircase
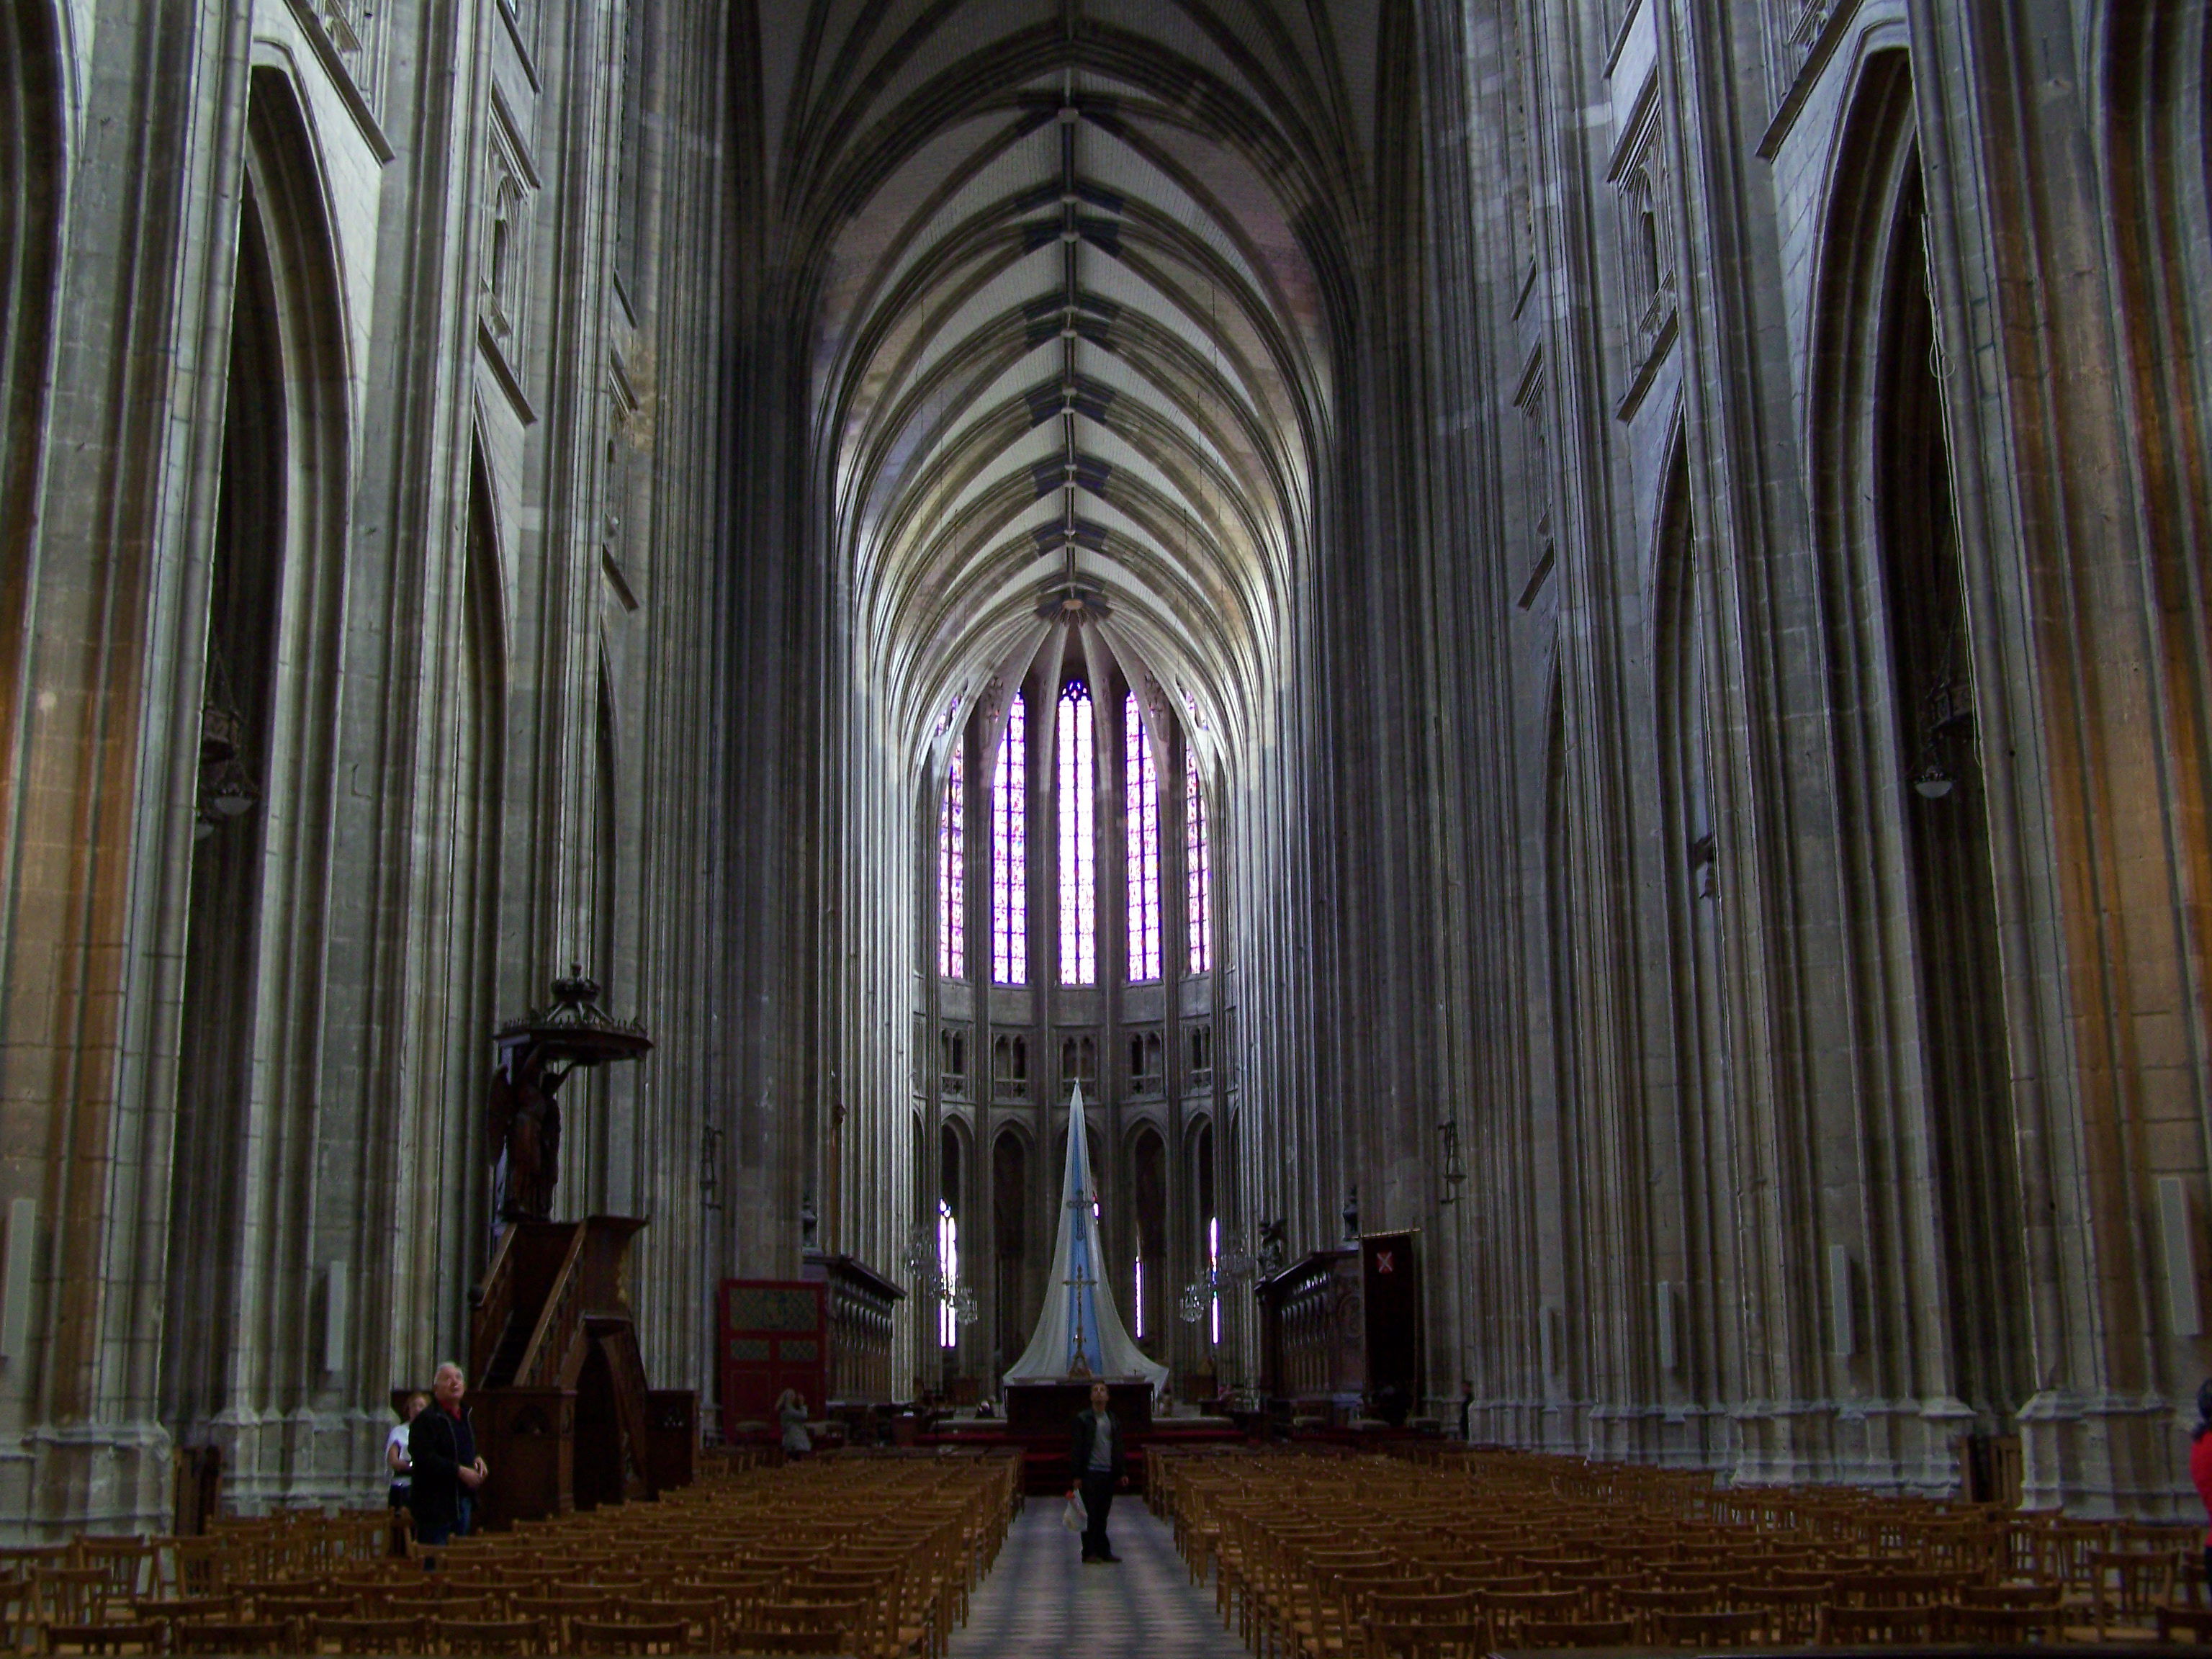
x: 564, y: 1418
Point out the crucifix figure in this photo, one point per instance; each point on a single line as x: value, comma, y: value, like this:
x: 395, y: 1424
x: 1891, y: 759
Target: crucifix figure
x: 1078, y: 1281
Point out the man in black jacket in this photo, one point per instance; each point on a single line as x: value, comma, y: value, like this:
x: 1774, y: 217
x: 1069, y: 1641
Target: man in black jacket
x: 441, y: 1445
x: 1095, y: 1468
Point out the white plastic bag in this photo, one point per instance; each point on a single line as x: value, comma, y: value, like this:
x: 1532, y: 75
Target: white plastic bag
x: 1075, y: 1517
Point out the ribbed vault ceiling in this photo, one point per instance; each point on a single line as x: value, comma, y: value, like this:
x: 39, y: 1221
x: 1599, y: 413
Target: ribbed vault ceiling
x: 1077, y: 270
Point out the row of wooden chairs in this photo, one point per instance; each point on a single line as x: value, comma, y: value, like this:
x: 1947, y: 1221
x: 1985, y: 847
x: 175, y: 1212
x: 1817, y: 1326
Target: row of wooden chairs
x: 1313, y: 1555
x: 855, y: 1555
x: 437, y: 1636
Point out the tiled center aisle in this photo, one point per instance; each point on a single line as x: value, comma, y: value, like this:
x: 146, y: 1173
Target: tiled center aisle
x: 1041, y: 1599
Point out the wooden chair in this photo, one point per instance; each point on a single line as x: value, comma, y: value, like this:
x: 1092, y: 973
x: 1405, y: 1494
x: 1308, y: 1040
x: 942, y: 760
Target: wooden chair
x: 2125, y: 1588
x: 19, y: 1615
x: 609, y: 1635
x: 1468, y: 1640
x: 1822, y: 1579
x: 200, y: 1566
x: 1894, y: 1588
x: 235, y: 1636
x: 2192, y: 1625
x: 703, y: 1615
x: 1792, y: 1613
x: 20, y: 1560
x: 1425, y: 1607
x: 489, y: 1635
x: 1643, y: 1602
x: 70, y: 1595
x: 164, y: 1608
x: 1575, y: 1633
x: 133, y: 1566
x: 378, y: 1636
x: 1999, y: 1626
x: 1507, y: 1610
x: 251, y: 1593
x: 555, y: 1608
x: 1873, y: 1626
x: 107, y: 1635
x: 2007, y: 1595
x: 748, y: 1644
x: 1707, y: 1630
x: 285, y: 1609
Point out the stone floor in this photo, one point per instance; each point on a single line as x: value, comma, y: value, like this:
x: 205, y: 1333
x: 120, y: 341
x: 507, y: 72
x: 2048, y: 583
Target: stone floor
x: 1041, y: 1599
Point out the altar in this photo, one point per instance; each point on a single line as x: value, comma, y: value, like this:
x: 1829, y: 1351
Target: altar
x: 1050, y: 1406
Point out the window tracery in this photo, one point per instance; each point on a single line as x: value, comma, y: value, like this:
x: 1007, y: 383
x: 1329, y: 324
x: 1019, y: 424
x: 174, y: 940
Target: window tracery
x: 1143, y: 802
x: 1201, y: 1056
x: 1078, y: 1062
x: 1146, y: 1071
x: 1198, y: 872
x: 952, y: 1061
x: 1078, y: 838
x: 952, y: 875
x: 356, y: 31
x: 1010, y: 1068
x: 1010, y: 852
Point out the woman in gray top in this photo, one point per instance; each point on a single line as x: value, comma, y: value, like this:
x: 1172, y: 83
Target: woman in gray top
x: 791, y: 1413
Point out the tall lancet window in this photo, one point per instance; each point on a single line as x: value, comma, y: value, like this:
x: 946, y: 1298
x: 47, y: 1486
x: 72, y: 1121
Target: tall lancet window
x: 1199, y: 870
x: 1009, y: 853
x: 1078, y: 838
x: 952, y: 875
x: 1143, y: 811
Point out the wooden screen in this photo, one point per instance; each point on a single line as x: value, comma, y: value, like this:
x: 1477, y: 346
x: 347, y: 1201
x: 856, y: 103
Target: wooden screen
x: 775, y: 1335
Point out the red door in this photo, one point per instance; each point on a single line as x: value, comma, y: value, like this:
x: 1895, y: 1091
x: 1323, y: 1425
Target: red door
x: 775, y: 1335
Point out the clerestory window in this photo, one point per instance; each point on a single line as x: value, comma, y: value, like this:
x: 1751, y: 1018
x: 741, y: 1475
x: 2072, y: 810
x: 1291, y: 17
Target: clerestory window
x: 1198, y: 871
x: 1078, y: 838
x: 1009, y: 852
x: 1143, y: 802
x: 952, y: 878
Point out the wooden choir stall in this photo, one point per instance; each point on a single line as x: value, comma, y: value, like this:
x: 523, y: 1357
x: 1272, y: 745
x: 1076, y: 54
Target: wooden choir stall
x: 1340, y: 1330
x: 827, y: 1335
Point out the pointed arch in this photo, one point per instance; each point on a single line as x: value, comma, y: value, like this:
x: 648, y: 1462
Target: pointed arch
x: 33, y: 142
x: 1933, y: 1033
x: 248, y: 1117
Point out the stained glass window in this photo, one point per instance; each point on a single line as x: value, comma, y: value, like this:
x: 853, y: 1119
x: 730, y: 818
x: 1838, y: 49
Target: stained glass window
x: 1078, y: 840
x: 1144, y: 817
x: 1009, y: 853
x: 948, y: 1259
x: 953, y: 877
x: 1198, y: 874
x: 1213, y: 1277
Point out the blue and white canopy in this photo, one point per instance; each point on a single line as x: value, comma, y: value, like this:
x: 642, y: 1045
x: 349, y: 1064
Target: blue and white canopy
x: 1079, y: 1320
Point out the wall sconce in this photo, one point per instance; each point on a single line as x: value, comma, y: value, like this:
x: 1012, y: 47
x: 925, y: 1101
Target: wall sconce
x: 226, y: 790
x: 710, y: 1167
x: 1949, y: 705
x: 1454, y: 1168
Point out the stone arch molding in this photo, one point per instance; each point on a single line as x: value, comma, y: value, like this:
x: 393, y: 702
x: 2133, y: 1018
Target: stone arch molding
x: 34, y: 95
x: 1077, y: 278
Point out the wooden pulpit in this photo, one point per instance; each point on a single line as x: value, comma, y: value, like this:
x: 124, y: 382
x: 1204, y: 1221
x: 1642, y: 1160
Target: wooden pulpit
x: 564, y: 1419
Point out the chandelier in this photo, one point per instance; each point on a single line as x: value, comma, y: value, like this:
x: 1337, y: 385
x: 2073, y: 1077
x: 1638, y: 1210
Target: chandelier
x: 920, y: 1260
